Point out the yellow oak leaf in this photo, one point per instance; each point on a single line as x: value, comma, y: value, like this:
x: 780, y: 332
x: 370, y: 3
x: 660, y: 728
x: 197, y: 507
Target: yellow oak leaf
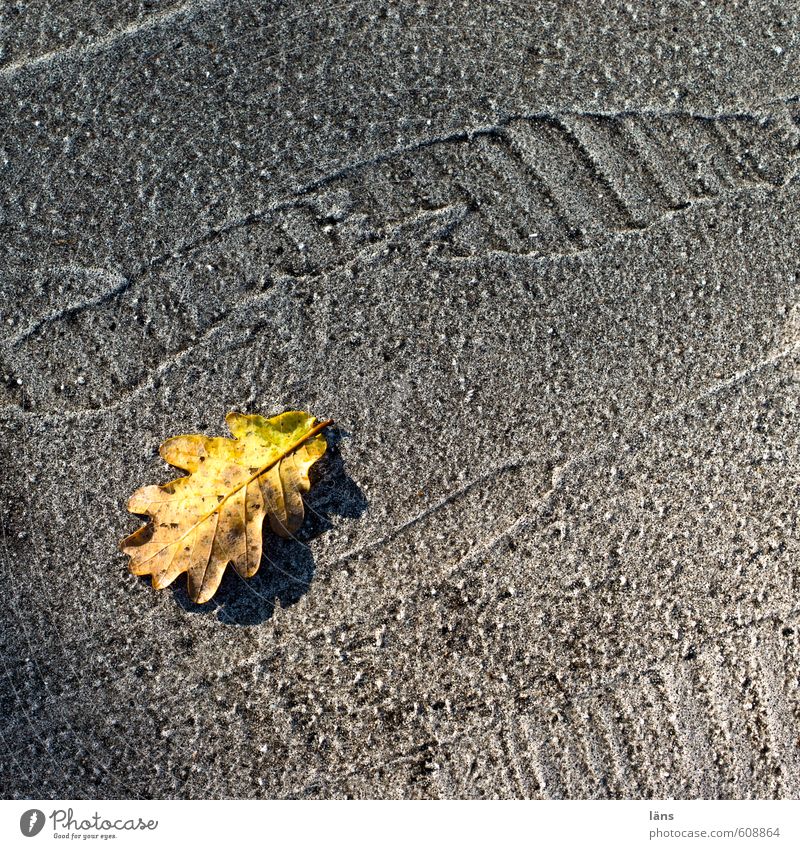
x: 213, y: 516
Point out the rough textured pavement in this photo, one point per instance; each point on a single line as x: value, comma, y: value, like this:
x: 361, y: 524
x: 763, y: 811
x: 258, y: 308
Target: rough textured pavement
x: 539, y: 262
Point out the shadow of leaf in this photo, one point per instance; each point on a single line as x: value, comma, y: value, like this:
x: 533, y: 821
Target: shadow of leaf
x: 287, y: 565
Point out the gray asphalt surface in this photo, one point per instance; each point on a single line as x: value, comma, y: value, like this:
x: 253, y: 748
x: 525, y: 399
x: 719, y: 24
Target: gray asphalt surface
x: 539, y: 263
